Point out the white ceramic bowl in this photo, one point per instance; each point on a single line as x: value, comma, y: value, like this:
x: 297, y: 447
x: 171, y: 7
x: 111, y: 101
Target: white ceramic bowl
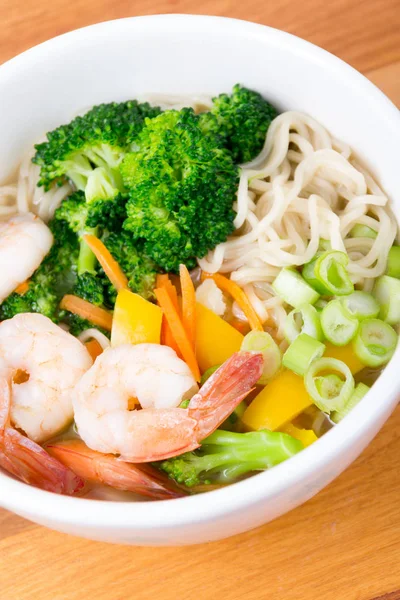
x: 118, y: 60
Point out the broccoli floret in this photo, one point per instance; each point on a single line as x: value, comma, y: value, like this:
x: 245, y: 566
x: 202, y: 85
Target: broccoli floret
x: 88, y: 150
x: 181, y: 186
x: 242, y: 120
x: 225, y: 456
x: 135, y: 263
x: 13, y: 305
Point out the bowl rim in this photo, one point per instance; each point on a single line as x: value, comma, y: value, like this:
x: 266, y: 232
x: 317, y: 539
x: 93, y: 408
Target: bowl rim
x: 196, y: 509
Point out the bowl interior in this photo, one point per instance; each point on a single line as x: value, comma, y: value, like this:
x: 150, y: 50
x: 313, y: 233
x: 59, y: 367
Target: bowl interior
x: 203, y: 55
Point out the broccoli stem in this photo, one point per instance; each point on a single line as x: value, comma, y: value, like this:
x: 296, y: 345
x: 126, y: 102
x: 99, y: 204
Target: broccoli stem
x: 86, y: 259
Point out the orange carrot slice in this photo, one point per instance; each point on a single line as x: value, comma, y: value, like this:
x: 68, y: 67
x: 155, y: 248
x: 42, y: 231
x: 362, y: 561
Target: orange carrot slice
x: 22, y: 288
x: 86, y: 310
x: 167, y: 339
x: 109, y: 264
x: 232, y: 288
x: 188, y: 304
x: 94, y: 348
x: 178, y: 331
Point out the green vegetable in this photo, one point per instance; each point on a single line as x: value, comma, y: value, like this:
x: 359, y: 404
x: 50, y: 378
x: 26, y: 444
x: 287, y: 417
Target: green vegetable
x: 301, y: 353
x: 362, y: 231
x: 181, y: 185
x: 207, y: 374
x: 359, y: 393
x: 329, y: 392
x: 291, y: 287
x: 261, y: 341
x: 98, y: 139
x: 327, y: 274
x: 224, y: 456
x: 135, y: 263
x: 338, y: 323
x: 375, y: 342
x: 304, y: 319
x: 387, y: 293
x: 393, y: 263
x: 361, y: 305
x: 242, y: 120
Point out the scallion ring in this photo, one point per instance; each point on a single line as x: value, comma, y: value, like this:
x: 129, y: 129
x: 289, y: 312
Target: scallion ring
x: 375, y: 342
x: 304, y: 319
x: 328, y: 275
x: 338, y: 323
x: 329, y: 391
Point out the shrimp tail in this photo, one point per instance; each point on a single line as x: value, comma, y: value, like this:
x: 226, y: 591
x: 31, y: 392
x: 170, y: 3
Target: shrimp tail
x: 26, y: 460
x: 108, y: 469
x: 224, y: 390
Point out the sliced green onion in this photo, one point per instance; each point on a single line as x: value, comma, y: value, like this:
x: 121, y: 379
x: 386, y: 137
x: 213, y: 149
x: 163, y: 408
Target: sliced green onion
x: 387, y: 292
x: 291, y: 287
x: 329, y: 392
x: 338, y: 323
x: 361, y: 305
x: 393, y: 262
x: 207, y: 374
x: 304, y: 319
x: 261, y: 341
x: 327, y: 274
x: 184, y: 403
x: 301, y: 353
x: 324, y: 245
x: 320, y: 304
x: 375, y: 342
x: 362, y: 231
x: 359, y: 393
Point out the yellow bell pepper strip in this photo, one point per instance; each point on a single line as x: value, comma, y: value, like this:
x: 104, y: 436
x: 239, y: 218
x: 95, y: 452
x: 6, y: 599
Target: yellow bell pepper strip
x: 216, y: 340
x: 279, y: 402
x: 305, y: 436
x: 345, y: 354
x: 136, y: 321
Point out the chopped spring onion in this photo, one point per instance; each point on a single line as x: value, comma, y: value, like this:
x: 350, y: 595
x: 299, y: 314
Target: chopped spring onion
x: 324, y: 245
x: 207, y: 374
x: 184, y: 403
x: 301, y: 353
x: 362, y: 231
x: 304, y: 319
x: 361, y: 305
x: 320, y: 304
x: 330, y: 391
x: 261, y: 341
x: 387, y: 292
x: 359, y: 393
x: 291, y: 287
x: 338, y: 323
x: 327, y: 274
x: 393, y: 262
x: 375, y: 342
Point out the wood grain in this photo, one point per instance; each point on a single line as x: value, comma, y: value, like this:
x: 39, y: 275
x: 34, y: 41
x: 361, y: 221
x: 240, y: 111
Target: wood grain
x: 341, y: 545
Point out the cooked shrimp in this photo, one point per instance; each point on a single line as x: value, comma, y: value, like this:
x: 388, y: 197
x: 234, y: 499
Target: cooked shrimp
x: 24, y: 242
x: 27, y: 461
x: 109, y: 470
x: 160, y: 380
x: 43, y: 363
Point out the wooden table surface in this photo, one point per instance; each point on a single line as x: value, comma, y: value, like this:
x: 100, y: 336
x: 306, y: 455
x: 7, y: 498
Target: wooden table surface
x: 342, y: 545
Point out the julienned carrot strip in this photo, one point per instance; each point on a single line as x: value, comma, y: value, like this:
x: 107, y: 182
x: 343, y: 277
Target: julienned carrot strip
x: 94, y: 348
x: 188, y: 303
x: 86, y: 310
x: 22, y: 288
x: 232, y: 288
x: 178, y: 331
x: 167, y: 338
x: 109, y: 264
